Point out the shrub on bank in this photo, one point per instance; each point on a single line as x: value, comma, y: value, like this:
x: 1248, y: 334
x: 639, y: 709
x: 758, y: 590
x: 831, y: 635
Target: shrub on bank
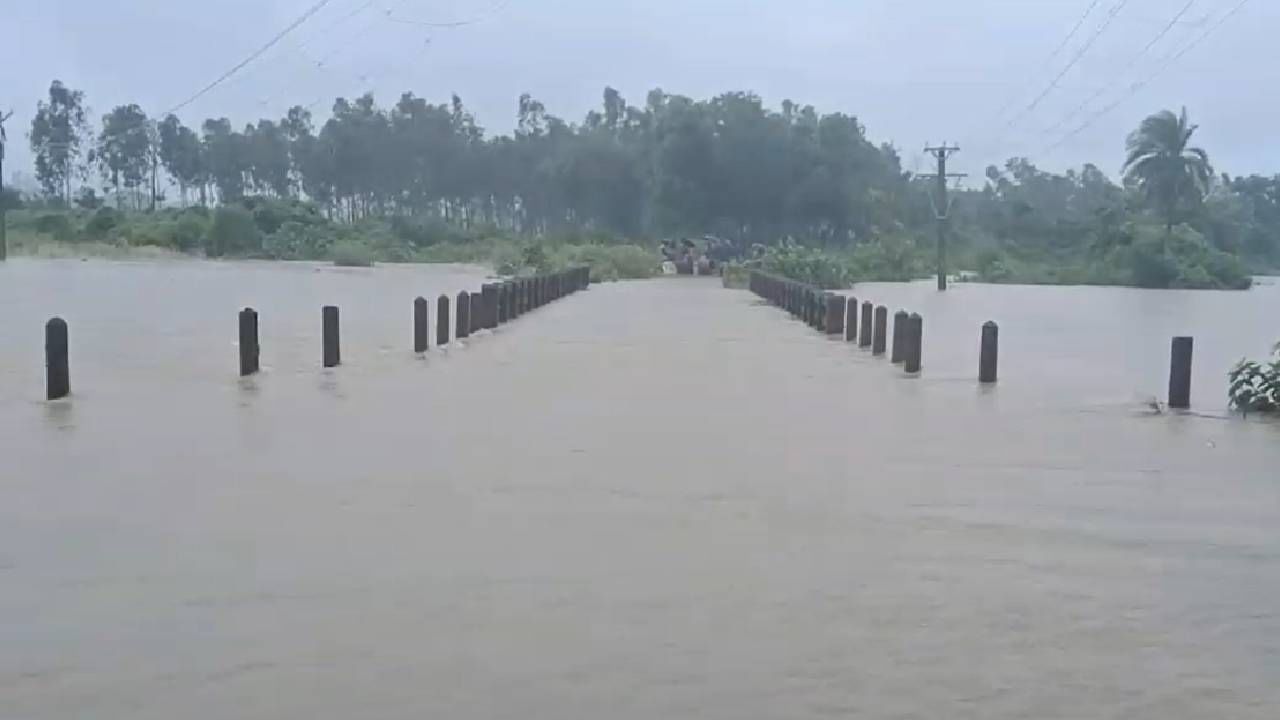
x: 298, y: 241
x: 351, y: 253
x: 101, y: 223
x: 608, y: 262
x: 56, y: 225
x: 891, y: 258
x: 1255, y: 386
x: 233, y: 232
x: 807, y: 265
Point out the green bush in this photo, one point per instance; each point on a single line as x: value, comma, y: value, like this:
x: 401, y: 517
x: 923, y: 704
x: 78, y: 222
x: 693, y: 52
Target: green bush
x: 189, y: 231
x: 233, y: 232
x: 426, y: 232
x: 103, y: 221
x: 807, y: 265
x: 535, y: 258
x: 155, y: 233
x: 350, y: 253
x: 738, y: 274
x: 269, y: 214
x: 1255, y: 386
x: 886, y: 259
x: 1151, y: 267
x: 56, y: 225
x: 609, y: 262
x: 296, y: 241
x: 1180, y: 260
x: 992, y: 266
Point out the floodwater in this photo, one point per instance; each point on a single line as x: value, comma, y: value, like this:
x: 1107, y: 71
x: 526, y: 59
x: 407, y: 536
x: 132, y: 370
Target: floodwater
x: 650, y: 500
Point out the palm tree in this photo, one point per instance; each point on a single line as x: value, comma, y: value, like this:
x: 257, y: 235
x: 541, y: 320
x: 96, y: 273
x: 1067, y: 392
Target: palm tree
x: 1164, y: 168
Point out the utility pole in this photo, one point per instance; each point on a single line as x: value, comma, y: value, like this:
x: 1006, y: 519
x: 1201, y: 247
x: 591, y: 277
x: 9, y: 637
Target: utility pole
x: 4, y: 240
x: 942, y: 206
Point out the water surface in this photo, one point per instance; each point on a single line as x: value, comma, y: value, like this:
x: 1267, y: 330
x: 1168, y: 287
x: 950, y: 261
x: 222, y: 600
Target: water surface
x: 652, y: 499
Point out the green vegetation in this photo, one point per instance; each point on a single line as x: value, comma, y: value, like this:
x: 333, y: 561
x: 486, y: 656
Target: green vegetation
x: 294, y: 230
x: 418, y: 181
x: 1255, y: 386
x: 349, y: 253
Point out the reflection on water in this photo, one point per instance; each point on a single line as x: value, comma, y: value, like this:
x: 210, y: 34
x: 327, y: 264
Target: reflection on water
x: 59, y: 414
x: 657, y: 499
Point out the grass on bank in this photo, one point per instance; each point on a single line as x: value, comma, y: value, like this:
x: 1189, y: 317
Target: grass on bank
x: 1144, y: 256
x: 277, y: 230
x: 1136, y: 254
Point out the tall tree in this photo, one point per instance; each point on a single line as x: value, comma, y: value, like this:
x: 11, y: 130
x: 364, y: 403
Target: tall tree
x: 124, y: 149
x: 181, y: 154
x: 1164, y: 168
x: 224, y: 158
x: 267, y: 157
x: 58, y: 133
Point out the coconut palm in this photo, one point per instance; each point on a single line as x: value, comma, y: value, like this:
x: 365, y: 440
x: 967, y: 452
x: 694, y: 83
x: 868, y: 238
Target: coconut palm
x: 1164, y: 168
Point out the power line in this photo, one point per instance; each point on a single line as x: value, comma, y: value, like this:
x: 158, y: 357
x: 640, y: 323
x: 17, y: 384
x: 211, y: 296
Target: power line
x: 324, y: 64
x: 1138, y: 86
x: 1053, y: 85
x: 1052, y: 56
x: 253, y: 56
x: 1129, y: 66
x: 301, y: 46
x: 493, y: 10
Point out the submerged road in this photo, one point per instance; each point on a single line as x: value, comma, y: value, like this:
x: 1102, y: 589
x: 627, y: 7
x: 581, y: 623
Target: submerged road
x: 650, y: 500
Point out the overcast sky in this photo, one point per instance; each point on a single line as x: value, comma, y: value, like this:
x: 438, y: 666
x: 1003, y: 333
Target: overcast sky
x: 912, y: 70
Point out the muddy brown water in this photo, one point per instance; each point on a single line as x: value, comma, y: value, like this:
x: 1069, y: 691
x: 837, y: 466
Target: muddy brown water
x: 652, y: 499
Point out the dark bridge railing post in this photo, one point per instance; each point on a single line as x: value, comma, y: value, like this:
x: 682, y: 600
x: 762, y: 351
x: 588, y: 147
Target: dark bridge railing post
x: 442, y: 321
x: 1180, y: 373
x: 868, y: 325
x: 463, y: 328
x: 880, y: 335
x: 329, y: 323
x: 249, y: 349
x: 898, y: 346
x: 835, y: 314
x: 421, y: 325
x: 915, y: 343
x: 989, y: 358
x: 490, y: 294
x: 57, y: 363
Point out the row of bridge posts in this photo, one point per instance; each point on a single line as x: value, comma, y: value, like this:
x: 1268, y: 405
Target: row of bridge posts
x: 838, y: 316
x: 493, y: 305
x: 868, y: 324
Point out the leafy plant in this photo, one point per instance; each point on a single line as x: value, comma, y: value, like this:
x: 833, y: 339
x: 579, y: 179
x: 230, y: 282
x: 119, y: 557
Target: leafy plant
x: 807, y: 265
x: 349, y: 253
x: 233, y: 231
x: 886, y: 259
x: 1255, y: 386
x: 56, y: 225
x: 609, y: 262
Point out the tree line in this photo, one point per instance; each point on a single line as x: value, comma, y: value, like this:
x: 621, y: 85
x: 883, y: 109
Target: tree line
x: 728, y: 165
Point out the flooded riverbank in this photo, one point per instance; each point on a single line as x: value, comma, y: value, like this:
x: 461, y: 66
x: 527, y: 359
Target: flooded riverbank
x: 652, y: 499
